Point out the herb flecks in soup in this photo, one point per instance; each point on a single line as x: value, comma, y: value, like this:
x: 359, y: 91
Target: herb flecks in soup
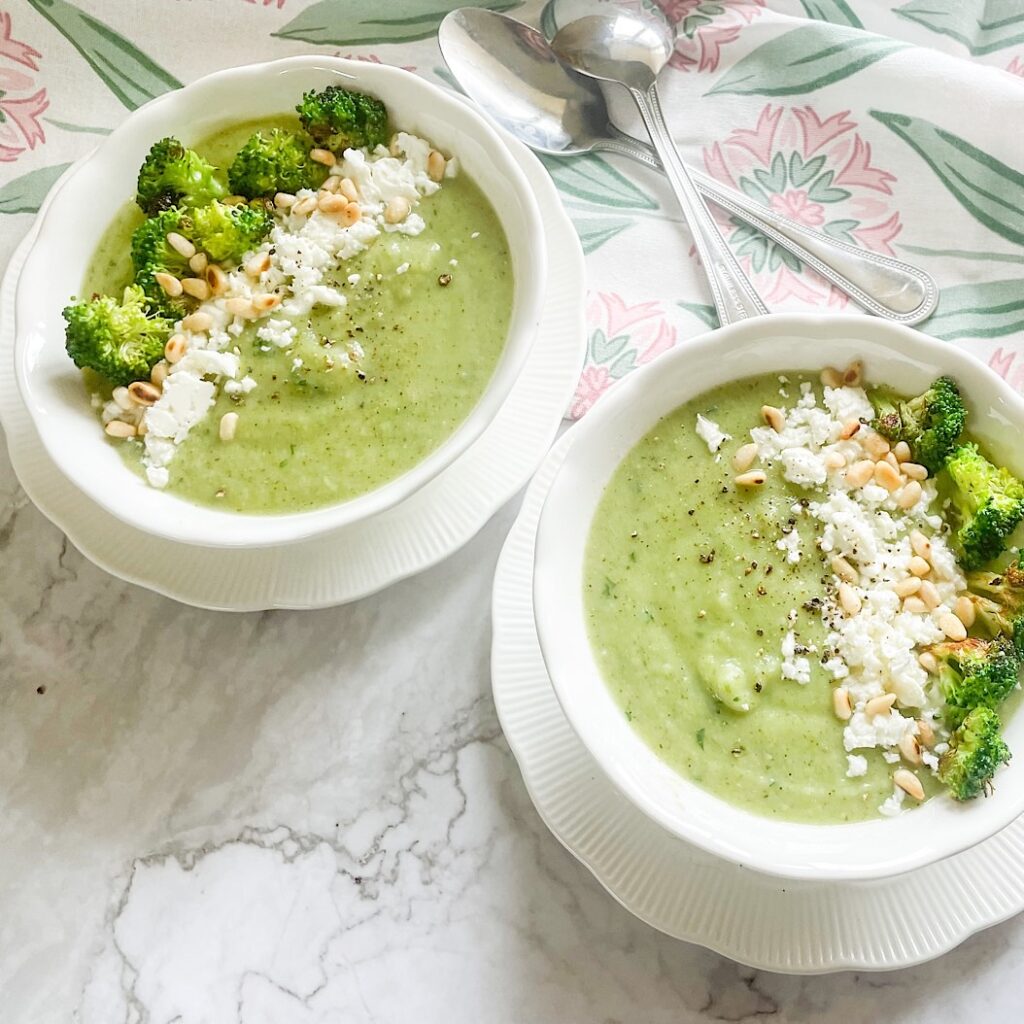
x: 781, y: 611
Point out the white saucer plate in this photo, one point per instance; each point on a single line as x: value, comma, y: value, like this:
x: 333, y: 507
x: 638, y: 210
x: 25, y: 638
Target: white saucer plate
x: 368, y: 556
x: 768, y: 923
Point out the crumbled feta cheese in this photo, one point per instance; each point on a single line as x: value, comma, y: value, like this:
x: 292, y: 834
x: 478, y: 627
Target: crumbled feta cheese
x: 794, y: 666
x: 857, y: 765
x: 893, y: 805
x: 710, y: 433
x: 790, y: 543
x: 401, y: 268
x: 239, y: 387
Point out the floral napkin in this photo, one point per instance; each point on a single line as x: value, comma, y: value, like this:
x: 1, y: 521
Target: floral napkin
x: 893, y: 125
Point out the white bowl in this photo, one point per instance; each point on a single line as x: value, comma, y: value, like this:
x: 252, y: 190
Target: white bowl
x: 84, y: 206
x: 892, y: 354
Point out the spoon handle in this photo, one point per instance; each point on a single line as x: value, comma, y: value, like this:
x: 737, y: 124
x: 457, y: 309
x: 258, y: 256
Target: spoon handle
x: 735, y: 297
x: 885, y: 286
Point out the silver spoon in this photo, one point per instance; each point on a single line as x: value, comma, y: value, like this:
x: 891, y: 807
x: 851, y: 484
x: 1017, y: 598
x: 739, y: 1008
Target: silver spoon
x: 509, y: 70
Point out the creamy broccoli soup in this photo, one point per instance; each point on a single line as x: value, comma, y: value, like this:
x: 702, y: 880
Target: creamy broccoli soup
x: 337, y: 399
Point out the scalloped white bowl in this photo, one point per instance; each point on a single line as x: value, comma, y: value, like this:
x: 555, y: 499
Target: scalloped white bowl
x: 901, y: 357
x: 83, y: 207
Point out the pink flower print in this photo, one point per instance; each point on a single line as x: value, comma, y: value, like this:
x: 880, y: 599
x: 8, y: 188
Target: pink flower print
x: 1008, y: 367
x: 593, y: 383
x: 795, y: 204
x: 1016, y: 67
x: 12, y: 49
x: 858, y: 170
x: 705, y: 27
x: 25, y: 114
x: 664, y: 339
x: 20, y: 127
x: 817, y: 133
x: 267, y: 3
x: 758, y: 141
x: 878, y: 237
x: 615, y: 317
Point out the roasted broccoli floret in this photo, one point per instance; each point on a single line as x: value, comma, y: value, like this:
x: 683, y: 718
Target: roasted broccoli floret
x: 227, y: 233
x: 975, y: 673
x: 976, y: 750
x: 989, y: 502
x: 274, y: 161
x: 119, y: 340
x: 931, y: 423
x: 173, y: 175
x: 152, y: 254
x: 998, y: 599
x: 339, y: 119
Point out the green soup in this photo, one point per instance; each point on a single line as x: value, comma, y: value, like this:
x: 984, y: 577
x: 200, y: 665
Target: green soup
x: 315, y: 432
x: 688, y: 600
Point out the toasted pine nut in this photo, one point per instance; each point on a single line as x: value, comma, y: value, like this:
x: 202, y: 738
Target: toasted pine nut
x: 892, y: 460
x: 853, y: 374
x: 876, y: 445
x: 181, y: 245
x: 774, y: 418
x: 754, y: 478
x: 841, y: 703
x: 849, y: 599
x: 925, y: 732
x: 909, y: 783
x: 964, y: 610
x: 929, y: 593
x: 880, y: 705
x: 199, y: 263
x: 834, y: 460
x: 265, y: 303
x: 921, y: 544
x: 842, y: 568
x: 907, y: 586
x: 849, y: 429
x: 349, y: 215
x: 918, y: 566
x: 170, y: 284
x: 175, y: 348
x: 436, y: 164
x: 303, y: 206
x: 228, y: 426
x: 143, y: 393
x: 198, y: 321
x: 860, y: 473
x: 743, y: 457
x: 397, y: 210
x: 121, y: 397
x: 928, y: 662
x: 141, y: 428
x: 239, y: 306
x: 257, y: 264
x: 952, y: 627
x: 886, y: 476
x: 347, y: 187
x: 910, y: 748
x: 910, y: 495
x: 118, y: 428
x: 159, y: 373
x: 284, y: 200
x: 902, y: 451
x: 914, y: 471
x: 322, y: 156
x: 216, y: 279
x: 831, y: 377
x: 331, y: 184
x: 196, y: 287
x: 914, y: 605
x: 330, y: 203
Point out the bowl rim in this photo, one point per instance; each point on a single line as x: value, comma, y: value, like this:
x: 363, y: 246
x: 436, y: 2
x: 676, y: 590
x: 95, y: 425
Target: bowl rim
x: 552, y: 597
x: 202, y: 526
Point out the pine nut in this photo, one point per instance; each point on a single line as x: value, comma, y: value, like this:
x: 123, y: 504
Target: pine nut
x: 876, y: 445
x: 197, y: 321
x: 834, y: 460
x: 887, y: 477
x: 170, y: 284
x: 330, y: 203
x: 393, y: 147
x: 853, y: 374
x: 914, y: 605
x: 774, y: 418
x: 143, y: 393
x: 305, y: 205
x: 181, y: 245
x: 892, y: 460
x: 239, y: 306
x: 910, y: 748
x: 918, y: 566
x: 331, y: 184
x: 158, y: 374
x: 907, y: 586
x: 925, y: 732
x: 860, y: 473
x: 198, y: 263
x: 743, y: 457
x: 902, y: 451
x: 841, y: 704
x: 118, y: 428
x: 349, y: 215
x: 929, y: 593
x: 842, y: 568
x: 216, y: 279
x: 921, y: 544
x: 849, y: 429
x: 952, y: 627
x: 436, y: 164
x: 754, y: 478
x: 141, y: 428
x: 265, y: 303
x: 121, y: 397
x: 397, y: 210
x: 284, y: 200
x: 910, y: 495
x: 914, y: 471
x: 831, y: 377
x: 258, y: 264
x: 849, y: 599
x: 175, y: 348
x: 880, y: 705
x: 928, y: 662
x: 964, y: 610
x: 322, y: 156
x: 228, y: 426
x: 909, y: 783
x: 347, y: 187
x: 196, y: 287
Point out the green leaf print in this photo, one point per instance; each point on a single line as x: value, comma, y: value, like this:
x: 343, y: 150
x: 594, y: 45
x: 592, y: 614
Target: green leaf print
x: 130, y: 75
x: 626, y: 363
x: 837, y: 12
x: 773, y: 180
x: 988, y: 310
x: 593, y: 179
x: 986, y: 187
x: 800, y: 173
x: 707, y: 315
x: 594, y: 232
x: 26, y: 194
x: 823, y: 192
x: 603, y: 348
x: 548, y: 25
x: 982, y: 27
x: 358, y: 22
x: 805, y: 59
